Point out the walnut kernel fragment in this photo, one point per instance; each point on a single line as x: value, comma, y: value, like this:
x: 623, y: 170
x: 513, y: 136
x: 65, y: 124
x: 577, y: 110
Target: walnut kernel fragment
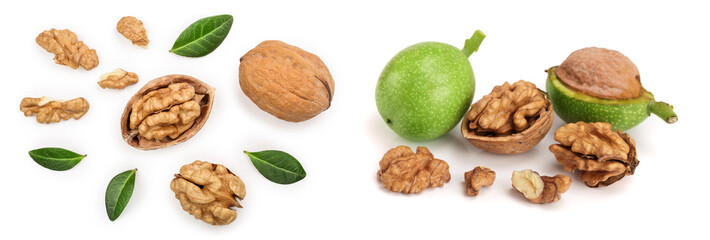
x: 601, y: 73
x: 402, y: 170
x: 540, y: 189
x: 132, y: 28
x: 51, y: 111
x: 601, y: 155
x: 118, y: 79
x: 68, y: 49
x: 477, y: 178
x: 208, y: 191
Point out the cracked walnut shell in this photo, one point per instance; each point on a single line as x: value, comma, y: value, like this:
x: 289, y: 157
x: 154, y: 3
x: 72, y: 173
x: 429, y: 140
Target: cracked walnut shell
x: 402, y: 170
x: 540, y: 189
x: 511, y: 119
x: 118, y: 79
x: 132, y: 28
x: 601, y: 155
x: 286, y: 81
x: 478, y: 178
x: 208, y: 191
x: 51, y: 111
x: 166, y: 111
x: 68, y: 49
x: 601, y: 73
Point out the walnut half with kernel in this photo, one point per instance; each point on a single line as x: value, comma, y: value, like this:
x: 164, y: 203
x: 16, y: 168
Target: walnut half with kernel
x: 49, y: 110
x: 511, y: 119
x: 601, y: 155
x: 166, y: 111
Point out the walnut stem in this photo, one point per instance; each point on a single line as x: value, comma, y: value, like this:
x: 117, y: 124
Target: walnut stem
x: 663, y: 110
x: 473, y: 43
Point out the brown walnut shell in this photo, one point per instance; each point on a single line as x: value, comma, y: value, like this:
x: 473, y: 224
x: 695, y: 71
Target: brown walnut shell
x: 602, y: 73
x: 286, y: 81
x: 516, y: 142
x: 132, y: 136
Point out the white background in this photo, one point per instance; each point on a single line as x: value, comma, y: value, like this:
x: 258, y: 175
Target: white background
x: 340, y: 148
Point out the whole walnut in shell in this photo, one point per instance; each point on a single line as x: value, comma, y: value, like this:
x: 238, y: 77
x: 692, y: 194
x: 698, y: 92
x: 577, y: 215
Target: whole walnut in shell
x: 511, y: 119
x: 601, y: 73
x: 286, y: 81
x: 166, y: 111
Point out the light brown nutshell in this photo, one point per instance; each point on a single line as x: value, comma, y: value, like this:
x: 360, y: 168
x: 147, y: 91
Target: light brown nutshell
x: 601, y: 155
x: 286, y: 81
x: 540, y: 189
x: 118, y: 79
x: 68, y: 49
x: 132, y: 28
x: 478, y: 177
x: 601, y: 73
x: 511, y: 119
x: 402, y: 170
x: 166, y: 111
x: 51, y: 111
x: 208, y: 191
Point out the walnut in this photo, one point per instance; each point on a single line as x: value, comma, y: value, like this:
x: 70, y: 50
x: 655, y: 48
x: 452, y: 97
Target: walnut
x: 132, y: 29
x: 166, y: 111
x: 67, y: 49
x: 601, y: 155
x: 286, y: 81
x: 511, y: 119
x: 207, y: 191
x: 402, y: 170
x: 51, y: 111
x: 540, y: 189
x: 477, y: 178
x: 601, y: 73
x: 118, y: 79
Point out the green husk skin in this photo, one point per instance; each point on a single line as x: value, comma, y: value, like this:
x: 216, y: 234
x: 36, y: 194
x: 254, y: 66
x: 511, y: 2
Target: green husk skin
x: 573, y: 106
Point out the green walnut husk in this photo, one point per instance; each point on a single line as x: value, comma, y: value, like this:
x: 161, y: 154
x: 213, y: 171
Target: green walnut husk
x: 572, y: 106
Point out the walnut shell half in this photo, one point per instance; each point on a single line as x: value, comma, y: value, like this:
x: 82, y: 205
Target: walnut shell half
x: 511, y: 119
x: 286, y: 81
x: 168, y: 110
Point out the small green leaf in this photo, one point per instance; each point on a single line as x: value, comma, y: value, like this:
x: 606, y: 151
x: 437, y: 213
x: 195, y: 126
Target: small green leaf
x: 203, y: 36
x: 118, y: 193
x: 57, y: 159
x: 277, y: 166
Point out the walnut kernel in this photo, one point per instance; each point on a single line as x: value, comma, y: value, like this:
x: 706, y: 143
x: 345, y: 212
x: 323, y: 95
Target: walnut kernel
x: 51, y: 111
x: 402, y: 170
x: 601, y: 73
x: 208, y: 191
x: 540, y: 189
x: 511, y: 119
x: 477, y: 178
x: 286, y: 81
x: 68, y: 49
x: 166, y: 111
x: 118, y: 79
x: 601, y: 155
x: 132, y: 28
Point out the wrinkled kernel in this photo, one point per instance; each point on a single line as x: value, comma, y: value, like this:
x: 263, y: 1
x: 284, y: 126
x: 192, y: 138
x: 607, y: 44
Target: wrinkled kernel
x: 132, y: 28
x: 118, y: 79
x: 68, y: 49
x: 208, y: 191
x: 601, y: 155
x: 507, y: 109
x: 51, y: 111
x: 402, y: 170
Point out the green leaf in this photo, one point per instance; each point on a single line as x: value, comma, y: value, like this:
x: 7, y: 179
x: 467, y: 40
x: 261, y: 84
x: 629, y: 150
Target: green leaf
x: 118, y: 193
x: 277, y: 166
x: 57, y: 159
x: 203, y: 36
